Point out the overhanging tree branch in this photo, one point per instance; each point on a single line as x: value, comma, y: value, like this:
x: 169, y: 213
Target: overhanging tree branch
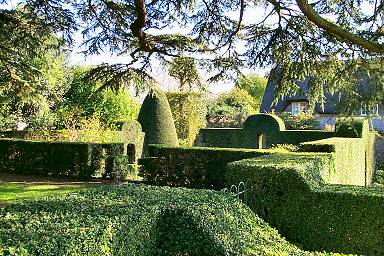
x: 340, y: 33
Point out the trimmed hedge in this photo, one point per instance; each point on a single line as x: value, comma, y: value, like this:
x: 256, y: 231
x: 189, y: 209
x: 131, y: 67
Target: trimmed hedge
x: 271, y: 127
x: 191, y: 167
x: 138, y: 220
x: 296, y: 137
x: 287, y: 190
x: 349, y: 159
x: 59, y: 159
x: 219, y: 137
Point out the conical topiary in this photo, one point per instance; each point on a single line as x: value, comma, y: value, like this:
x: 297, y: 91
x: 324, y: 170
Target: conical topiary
x: 156, y: 120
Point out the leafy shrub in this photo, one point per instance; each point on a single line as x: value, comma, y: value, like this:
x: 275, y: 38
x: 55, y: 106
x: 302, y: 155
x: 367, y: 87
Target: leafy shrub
x: 303, y: 121
x: 230, y: 109
x: 138, y: 220
x: 353, y: 127
x: 378, y: 178
x: 83, y: 102
x: 120, y: 167
x: 255, y: 85
x: 188, y: 111
x: 156, y: 120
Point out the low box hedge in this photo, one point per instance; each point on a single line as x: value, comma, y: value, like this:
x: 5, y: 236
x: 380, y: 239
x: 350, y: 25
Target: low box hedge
x: 195, y: 167
x: 288, y: 191
x: 138, y: 220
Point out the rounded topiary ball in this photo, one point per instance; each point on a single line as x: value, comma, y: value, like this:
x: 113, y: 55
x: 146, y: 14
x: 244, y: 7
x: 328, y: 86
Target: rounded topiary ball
x: 156, y: 120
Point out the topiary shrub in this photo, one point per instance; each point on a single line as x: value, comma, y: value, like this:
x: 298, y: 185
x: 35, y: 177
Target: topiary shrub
x: 156, y: 120
x: 131, y: 133
x: 188, y: 110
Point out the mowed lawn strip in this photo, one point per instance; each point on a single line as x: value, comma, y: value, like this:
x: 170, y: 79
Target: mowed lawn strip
x: 15, y: 188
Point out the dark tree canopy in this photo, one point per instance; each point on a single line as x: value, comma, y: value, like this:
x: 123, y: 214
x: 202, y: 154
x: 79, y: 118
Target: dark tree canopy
x: 328, y: 41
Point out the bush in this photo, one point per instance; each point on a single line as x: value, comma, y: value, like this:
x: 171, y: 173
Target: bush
x: 120, y: 168
x: 303, y: 121
x: 59, y: 159
x: 230, y: 109
x: 351, y: 127
x: 289, y: 191
x: 156, y: 120
x: 255, y: 85
x: 83, y: 102
x: 188, y: 111
x: 378, y: 178
x: 138, y: 220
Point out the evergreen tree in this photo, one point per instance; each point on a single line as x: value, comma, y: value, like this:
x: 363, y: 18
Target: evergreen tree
x: 327, y: 41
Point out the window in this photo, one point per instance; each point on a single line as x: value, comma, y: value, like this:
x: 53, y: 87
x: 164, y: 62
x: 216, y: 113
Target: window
x: 298, y: 107
x: 371, y: 110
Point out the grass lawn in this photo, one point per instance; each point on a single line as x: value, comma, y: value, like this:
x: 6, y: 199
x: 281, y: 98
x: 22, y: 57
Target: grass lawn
x: 15, y: 188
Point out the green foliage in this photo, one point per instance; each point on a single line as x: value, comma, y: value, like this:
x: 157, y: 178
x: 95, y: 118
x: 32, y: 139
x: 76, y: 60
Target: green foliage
x: 285, y: 148
x: 119, y: 167
x: 288, y: 191
x: 190, y: 167
x: 378, y: 177
x: 117, y: 106
x: 156, y: 120
x: 33, y: 98
x: 138, y: 220
x: 220, y: 138
x: 83, y: 102
x: 188, y: 111
x: 185, y: 71
x: 60, y: 159
x: 230, y: 109
x: 264, y: 123
x: 131, y: 133
x: 353, y: 127
x: 303, y: 121
x: 255, y: 85
x: 301, y: 44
